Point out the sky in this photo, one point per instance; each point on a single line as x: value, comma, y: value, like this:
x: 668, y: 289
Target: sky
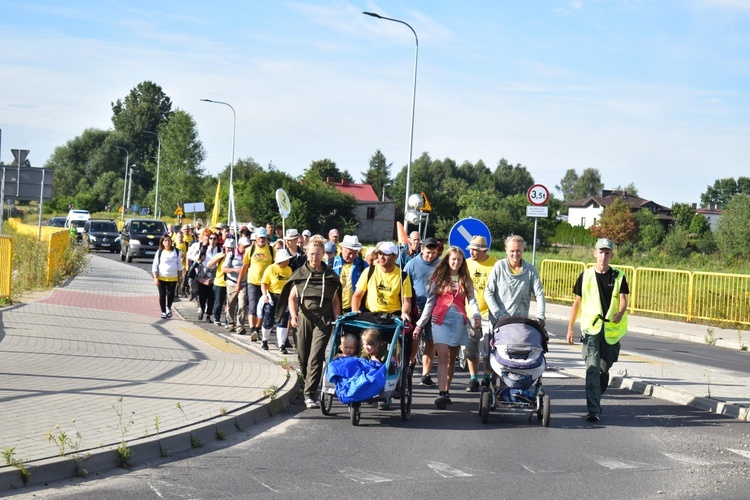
x: 650, y: 92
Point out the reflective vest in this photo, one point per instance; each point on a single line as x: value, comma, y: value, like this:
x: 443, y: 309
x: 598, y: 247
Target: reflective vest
x: 591, y: 309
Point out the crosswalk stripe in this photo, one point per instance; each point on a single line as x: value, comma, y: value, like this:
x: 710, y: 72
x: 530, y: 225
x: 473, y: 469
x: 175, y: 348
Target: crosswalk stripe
x: 446, y: 470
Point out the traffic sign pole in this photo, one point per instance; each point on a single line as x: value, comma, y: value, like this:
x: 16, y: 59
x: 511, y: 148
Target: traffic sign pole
x: 538, y: 195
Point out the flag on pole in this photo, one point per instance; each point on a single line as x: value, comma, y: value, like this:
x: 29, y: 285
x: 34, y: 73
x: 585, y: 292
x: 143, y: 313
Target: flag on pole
x: 215, y: 215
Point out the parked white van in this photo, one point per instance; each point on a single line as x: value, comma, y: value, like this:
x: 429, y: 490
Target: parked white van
x: 78, y: 219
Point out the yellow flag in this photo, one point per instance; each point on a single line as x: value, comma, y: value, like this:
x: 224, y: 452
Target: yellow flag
x: 215, y: 215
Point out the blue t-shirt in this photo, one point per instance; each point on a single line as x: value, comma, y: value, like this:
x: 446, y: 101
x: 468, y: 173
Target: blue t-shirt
x: 420, y: 271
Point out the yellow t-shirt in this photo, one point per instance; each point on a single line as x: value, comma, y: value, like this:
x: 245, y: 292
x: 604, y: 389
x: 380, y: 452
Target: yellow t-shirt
x: 346, y: 286
x: 383, y: 296
x: 479, y: 272
x: 257, y: 263
x: 220, y: 279
x: 275, y: 277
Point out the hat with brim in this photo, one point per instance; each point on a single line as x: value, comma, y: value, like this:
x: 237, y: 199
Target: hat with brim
x: 429, y: 242
x: 605, y: 243
x: 351, y: 242
x: 282, y: 255
x: 291, y: 234
x: 387, y: 248
x: 330, y: 247
x: 478, y: 243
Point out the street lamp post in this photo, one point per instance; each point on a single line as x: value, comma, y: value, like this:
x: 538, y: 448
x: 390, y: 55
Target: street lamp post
x: 231, y: 166
x: 125, y: 181
x: 413, y: 105
x: 158, y: 161
x: 130, y: 185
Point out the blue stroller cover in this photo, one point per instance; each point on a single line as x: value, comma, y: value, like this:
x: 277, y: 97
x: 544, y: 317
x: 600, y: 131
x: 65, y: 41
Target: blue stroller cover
x: 356, y: 379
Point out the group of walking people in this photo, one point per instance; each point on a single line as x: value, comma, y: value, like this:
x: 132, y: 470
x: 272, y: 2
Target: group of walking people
x: 260, y: 279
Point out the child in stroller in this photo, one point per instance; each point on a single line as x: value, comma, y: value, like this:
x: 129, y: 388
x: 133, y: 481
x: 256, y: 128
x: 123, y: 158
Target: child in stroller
x: 516, y: 355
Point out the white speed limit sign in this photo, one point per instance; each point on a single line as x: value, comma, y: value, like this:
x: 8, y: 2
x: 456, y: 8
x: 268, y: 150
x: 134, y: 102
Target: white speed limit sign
x: 537, y: 195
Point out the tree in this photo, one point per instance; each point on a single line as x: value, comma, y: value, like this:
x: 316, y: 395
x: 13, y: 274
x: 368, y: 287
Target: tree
x: 567, y: 185
x: 575, y: 187
x: 379, y: 173
x: 616, y: 223
x: 146, y: 107
x: 683, y: 214
x: 724, y: 189
x: 630, y: 189
x: 323, y: 169
x: 510, y: 180
x: 650, y: 231
x: 733, y: 231
x: 180, y: 173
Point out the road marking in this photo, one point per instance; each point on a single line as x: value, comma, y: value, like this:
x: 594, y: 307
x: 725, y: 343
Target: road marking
x: 611, y: 463
x: 743, y: 453
x: 212, y: 340
x: 554, y: 374
x: 363, y: 477
x: 689, y: 459
x: 446, y: 470
x: 528, y: 469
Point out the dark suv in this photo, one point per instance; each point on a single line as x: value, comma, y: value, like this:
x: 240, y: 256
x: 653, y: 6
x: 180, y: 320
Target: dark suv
x: 139, y: 238
x: 100, y: 235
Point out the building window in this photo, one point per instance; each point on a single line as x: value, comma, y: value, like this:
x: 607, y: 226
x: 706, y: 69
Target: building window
x: 583, y: 221
x: 370, y: 212
x: 593, y: 223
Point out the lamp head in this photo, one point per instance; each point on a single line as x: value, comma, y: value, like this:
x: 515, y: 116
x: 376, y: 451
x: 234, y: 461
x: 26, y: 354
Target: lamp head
x: 372, y: 14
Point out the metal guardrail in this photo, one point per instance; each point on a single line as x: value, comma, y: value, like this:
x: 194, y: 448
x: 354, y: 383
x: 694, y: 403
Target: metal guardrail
x: 707, y: 296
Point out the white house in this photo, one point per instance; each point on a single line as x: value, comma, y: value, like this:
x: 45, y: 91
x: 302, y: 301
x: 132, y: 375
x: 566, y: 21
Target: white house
x: 586, y: 211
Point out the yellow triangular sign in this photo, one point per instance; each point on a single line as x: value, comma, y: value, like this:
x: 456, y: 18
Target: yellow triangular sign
x: 427, y: 207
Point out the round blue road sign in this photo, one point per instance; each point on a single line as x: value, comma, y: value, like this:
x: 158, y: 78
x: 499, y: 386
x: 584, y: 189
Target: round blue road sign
x: 463, y: 230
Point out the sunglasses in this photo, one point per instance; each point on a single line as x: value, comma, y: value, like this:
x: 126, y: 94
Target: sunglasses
x: 212, y: 237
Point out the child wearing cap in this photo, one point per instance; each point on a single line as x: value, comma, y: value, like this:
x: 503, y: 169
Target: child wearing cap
x: 274, y: 278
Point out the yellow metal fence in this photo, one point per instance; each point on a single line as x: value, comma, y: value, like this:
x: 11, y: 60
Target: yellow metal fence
x: 6, y: 265
x: 58, y: 239
x: 690, y: 295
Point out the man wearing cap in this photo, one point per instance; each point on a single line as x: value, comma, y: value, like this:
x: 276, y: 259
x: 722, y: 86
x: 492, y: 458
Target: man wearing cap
x: 219, y: 234
x: 274, y: 278
x: 257, y: 258
x: 330, y: 253
x: 236, y: 292
x: 385, y: 288
x: 411, y: 250
x: 349, y: 266
x: 306, y: 234
x: 419, y: 270
x: 601, y: 301
x: 333, y: 236
x: 291, y: 238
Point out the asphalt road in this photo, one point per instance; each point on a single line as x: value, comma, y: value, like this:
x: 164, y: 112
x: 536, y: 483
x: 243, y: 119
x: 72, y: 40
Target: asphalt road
x: 642, y: 448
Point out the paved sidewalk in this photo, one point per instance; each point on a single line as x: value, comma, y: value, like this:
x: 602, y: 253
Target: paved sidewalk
x: 93, y: 357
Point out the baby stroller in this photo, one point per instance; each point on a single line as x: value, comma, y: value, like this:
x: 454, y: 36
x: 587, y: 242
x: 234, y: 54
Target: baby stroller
x: 516, y: 357
x: 397, y: 380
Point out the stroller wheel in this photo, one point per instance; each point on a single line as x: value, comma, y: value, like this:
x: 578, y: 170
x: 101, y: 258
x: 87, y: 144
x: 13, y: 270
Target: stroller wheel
x: 481, y: 396
x: 545, y: 410
x: 326, y: 401
x: 485, y: 406
x: 354, y: 414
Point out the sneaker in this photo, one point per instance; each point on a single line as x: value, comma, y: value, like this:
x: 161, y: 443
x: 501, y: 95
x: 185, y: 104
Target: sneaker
x: 254, y: 336
x: 441, y: 401
x: 592, y: 417
x: 427, y: 381
x: 240, y: 331
x: 200, y: 311
x: 283, y: 350
x: 311, y: 403
x: 264, y: 346
x: 448, y: 398
x: 485, y: 382
x: 288, y: 344
x: 383, y: 405
x: 473, y: 385
x: 229, y: 327
x: 163, y: 315
x: 217, y: 322
x: 169, y: 313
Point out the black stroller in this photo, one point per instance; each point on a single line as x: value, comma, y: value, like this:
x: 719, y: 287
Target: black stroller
x: 398, y: 383
x: 516, y: 357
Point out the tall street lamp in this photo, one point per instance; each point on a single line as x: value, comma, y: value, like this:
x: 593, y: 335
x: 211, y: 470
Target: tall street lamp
x: 125, y: 181
x: 413, y: 104
x: 231, y: 166
x: 130, y: 185
x: 158, y: 161
x: 382, y: 198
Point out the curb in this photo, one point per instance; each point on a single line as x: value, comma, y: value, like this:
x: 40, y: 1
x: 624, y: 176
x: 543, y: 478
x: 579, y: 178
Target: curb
x: 165, y: 445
